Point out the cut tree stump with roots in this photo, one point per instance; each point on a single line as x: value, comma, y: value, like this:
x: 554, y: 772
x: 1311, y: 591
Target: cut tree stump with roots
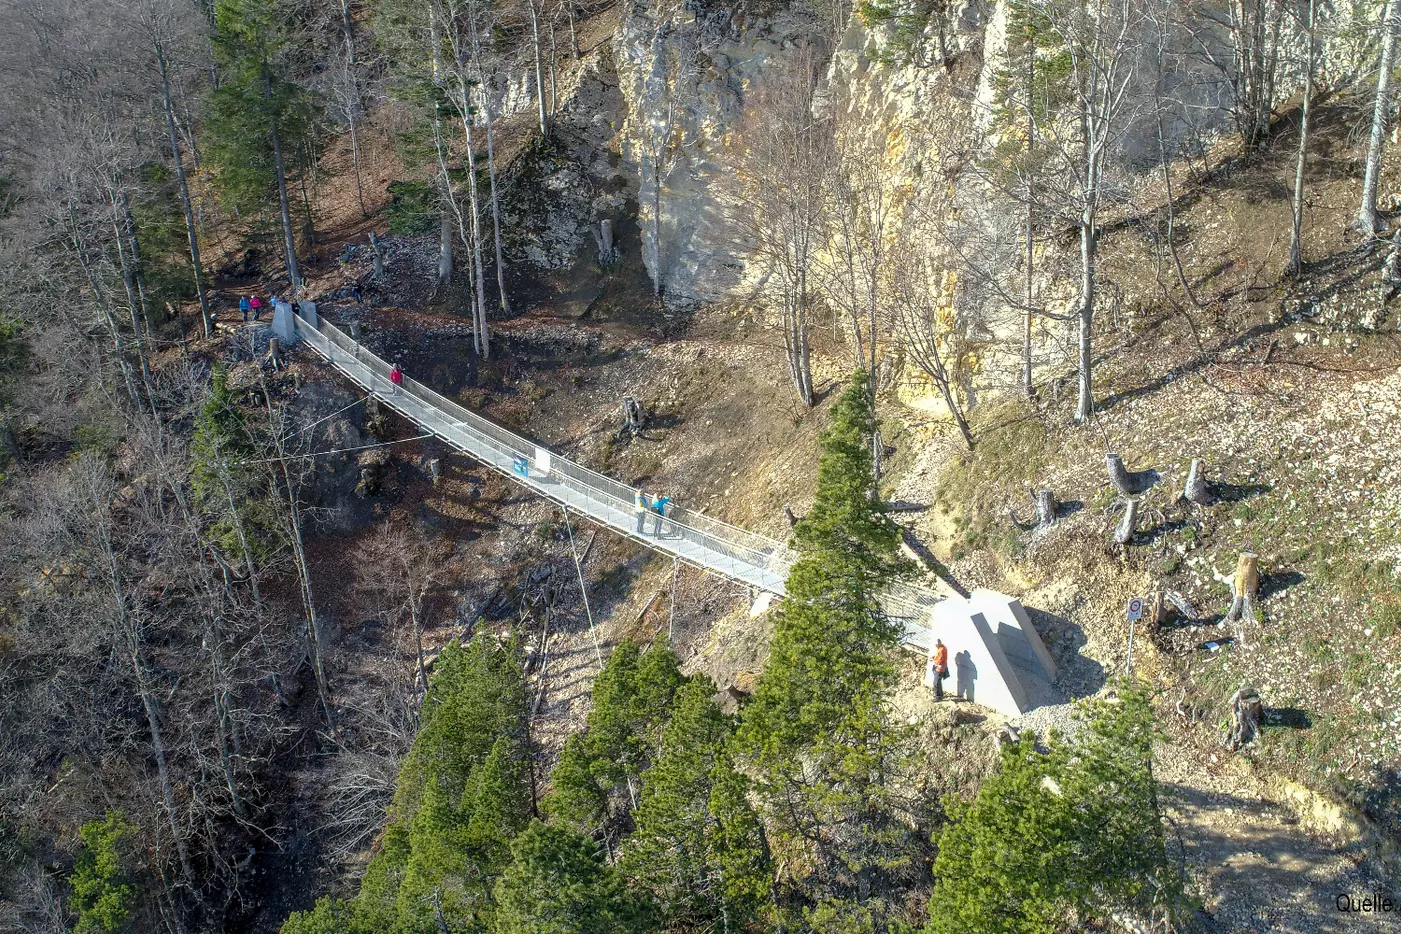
x: 1196, y: 491
x: 1045, y: 508
x: 1245, y: 718
x: 1118, y: 475
x: 378, y: 249
x: 1244, y: 589
x: 634, y: 417
x: 789, y: 517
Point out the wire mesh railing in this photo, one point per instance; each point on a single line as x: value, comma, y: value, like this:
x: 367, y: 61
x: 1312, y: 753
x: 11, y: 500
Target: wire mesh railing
x: 690, y: 534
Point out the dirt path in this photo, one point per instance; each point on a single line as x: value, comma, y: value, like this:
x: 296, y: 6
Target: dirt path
x: 1255, y: 866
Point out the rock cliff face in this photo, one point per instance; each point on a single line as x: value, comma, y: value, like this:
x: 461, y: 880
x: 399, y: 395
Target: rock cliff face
x: 650, y: 128
x: 686, y: 72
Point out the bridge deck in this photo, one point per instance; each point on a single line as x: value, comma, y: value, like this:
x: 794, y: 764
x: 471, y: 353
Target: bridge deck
x: 699, y: 540
x: 762, y: 563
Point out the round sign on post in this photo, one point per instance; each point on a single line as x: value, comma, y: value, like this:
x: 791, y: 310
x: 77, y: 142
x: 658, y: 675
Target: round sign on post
x: 1136, y: 608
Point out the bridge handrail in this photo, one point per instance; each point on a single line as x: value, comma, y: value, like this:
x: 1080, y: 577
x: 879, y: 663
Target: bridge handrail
x: 715, y: 534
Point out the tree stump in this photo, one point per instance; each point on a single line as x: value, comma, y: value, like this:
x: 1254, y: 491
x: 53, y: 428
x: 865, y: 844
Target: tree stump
x: 275, y: 353
x: 1045, y: 508
x: 607, y: 252
x: 1245, y: 718
x: 1157, y: 609
x: 435, y: 470
x: 1123, y: 534
x: 1244, y: 588
x: 1196, y: 490
x: 634, y: 416
x: 1117, y: 474
x: 788, y: 516
x: 378, y: 249
x: 369, y: 483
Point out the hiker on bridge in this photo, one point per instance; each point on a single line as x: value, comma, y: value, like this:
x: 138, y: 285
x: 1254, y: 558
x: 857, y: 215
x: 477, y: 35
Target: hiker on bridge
x: 660, y: 507
x: 639, y: 509
x: 396, y: 375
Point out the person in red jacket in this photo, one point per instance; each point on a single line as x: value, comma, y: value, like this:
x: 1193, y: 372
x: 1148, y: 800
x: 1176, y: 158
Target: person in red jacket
x: 396, y: 375
x: 256, y: 304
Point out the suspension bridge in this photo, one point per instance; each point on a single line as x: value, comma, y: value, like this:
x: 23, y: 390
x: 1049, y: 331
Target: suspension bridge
x: 999, y: 660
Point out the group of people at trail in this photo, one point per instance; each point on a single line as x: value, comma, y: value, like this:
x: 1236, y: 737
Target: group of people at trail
x: 251, y: 306
x: 656, y: 506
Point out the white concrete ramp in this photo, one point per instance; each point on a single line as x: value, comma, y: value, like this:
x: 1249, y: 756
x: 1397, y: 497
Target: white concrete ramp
x: 998, y: 660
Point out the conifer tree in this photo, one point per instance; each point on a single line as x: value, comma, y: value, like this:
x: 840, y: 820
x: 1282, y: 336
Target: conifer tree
x: 461, y: 798
x: 104, y: 893
x: 829, y: 658
x: 1073, y: 832
x: 817, y: 732
x: 558, y: 883
x: 257, y: 117
x: 226, y: 490
x: 631, y: 704
x: 698, y: 852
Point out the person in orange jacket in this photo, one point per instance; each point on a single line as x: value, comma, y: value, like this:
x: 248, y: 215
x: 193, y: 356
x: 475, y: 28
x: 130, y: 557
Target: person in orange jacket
x: 939, y: 665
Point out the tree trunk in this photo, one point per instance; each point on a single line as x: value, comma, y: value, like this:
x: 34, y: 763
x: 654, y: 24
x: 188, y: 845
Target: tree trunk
x: 445, y: 251
x: 294, y: 528
x: 158, y: 749
x: 554, y: 58
x: 206, y: 317
x: 100, y: 297
x: 1196, y: 491
x: 539, y: 69
x: 1244, y: 587
x: 476, y: 226
x: 355, y: 160
x: 378, y: 250
x: 134, y: 300
x: 657, y: 225
x: 289, y: 240
x: 349, y: 31
x: 491, y: 174
x: 418, y: 644
x: 237, y: 515
x: 1085, y: 312
x: 1246, y: 709
x: 1367, y: 220
x: 573, y: 33
x: 1296, y: 247
x: 1028, y: 384
x: 1045, y: 508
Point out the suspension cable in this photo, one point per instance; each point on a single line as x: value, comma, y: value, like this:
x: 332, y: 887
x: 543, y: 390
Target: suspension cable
x: 583, y: 590
x: 363, y: 447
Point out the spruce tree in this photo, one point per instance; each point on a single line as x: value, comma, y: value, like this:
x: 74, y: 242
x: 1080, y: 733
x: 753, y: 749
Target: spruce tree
x: 698, y: 852
x: 260, y: 122
x: 632, y: 700
x: 227, y: 490
x: 1070, y: 833
x: 461, y: 798
x: 818, y: 734
x: 558, y: 883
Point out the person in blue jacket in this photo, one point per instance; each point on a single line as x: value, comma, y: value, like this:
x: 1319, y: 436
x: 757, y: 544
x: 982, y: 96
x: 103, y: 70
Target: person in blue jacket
x: 660, y: 507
